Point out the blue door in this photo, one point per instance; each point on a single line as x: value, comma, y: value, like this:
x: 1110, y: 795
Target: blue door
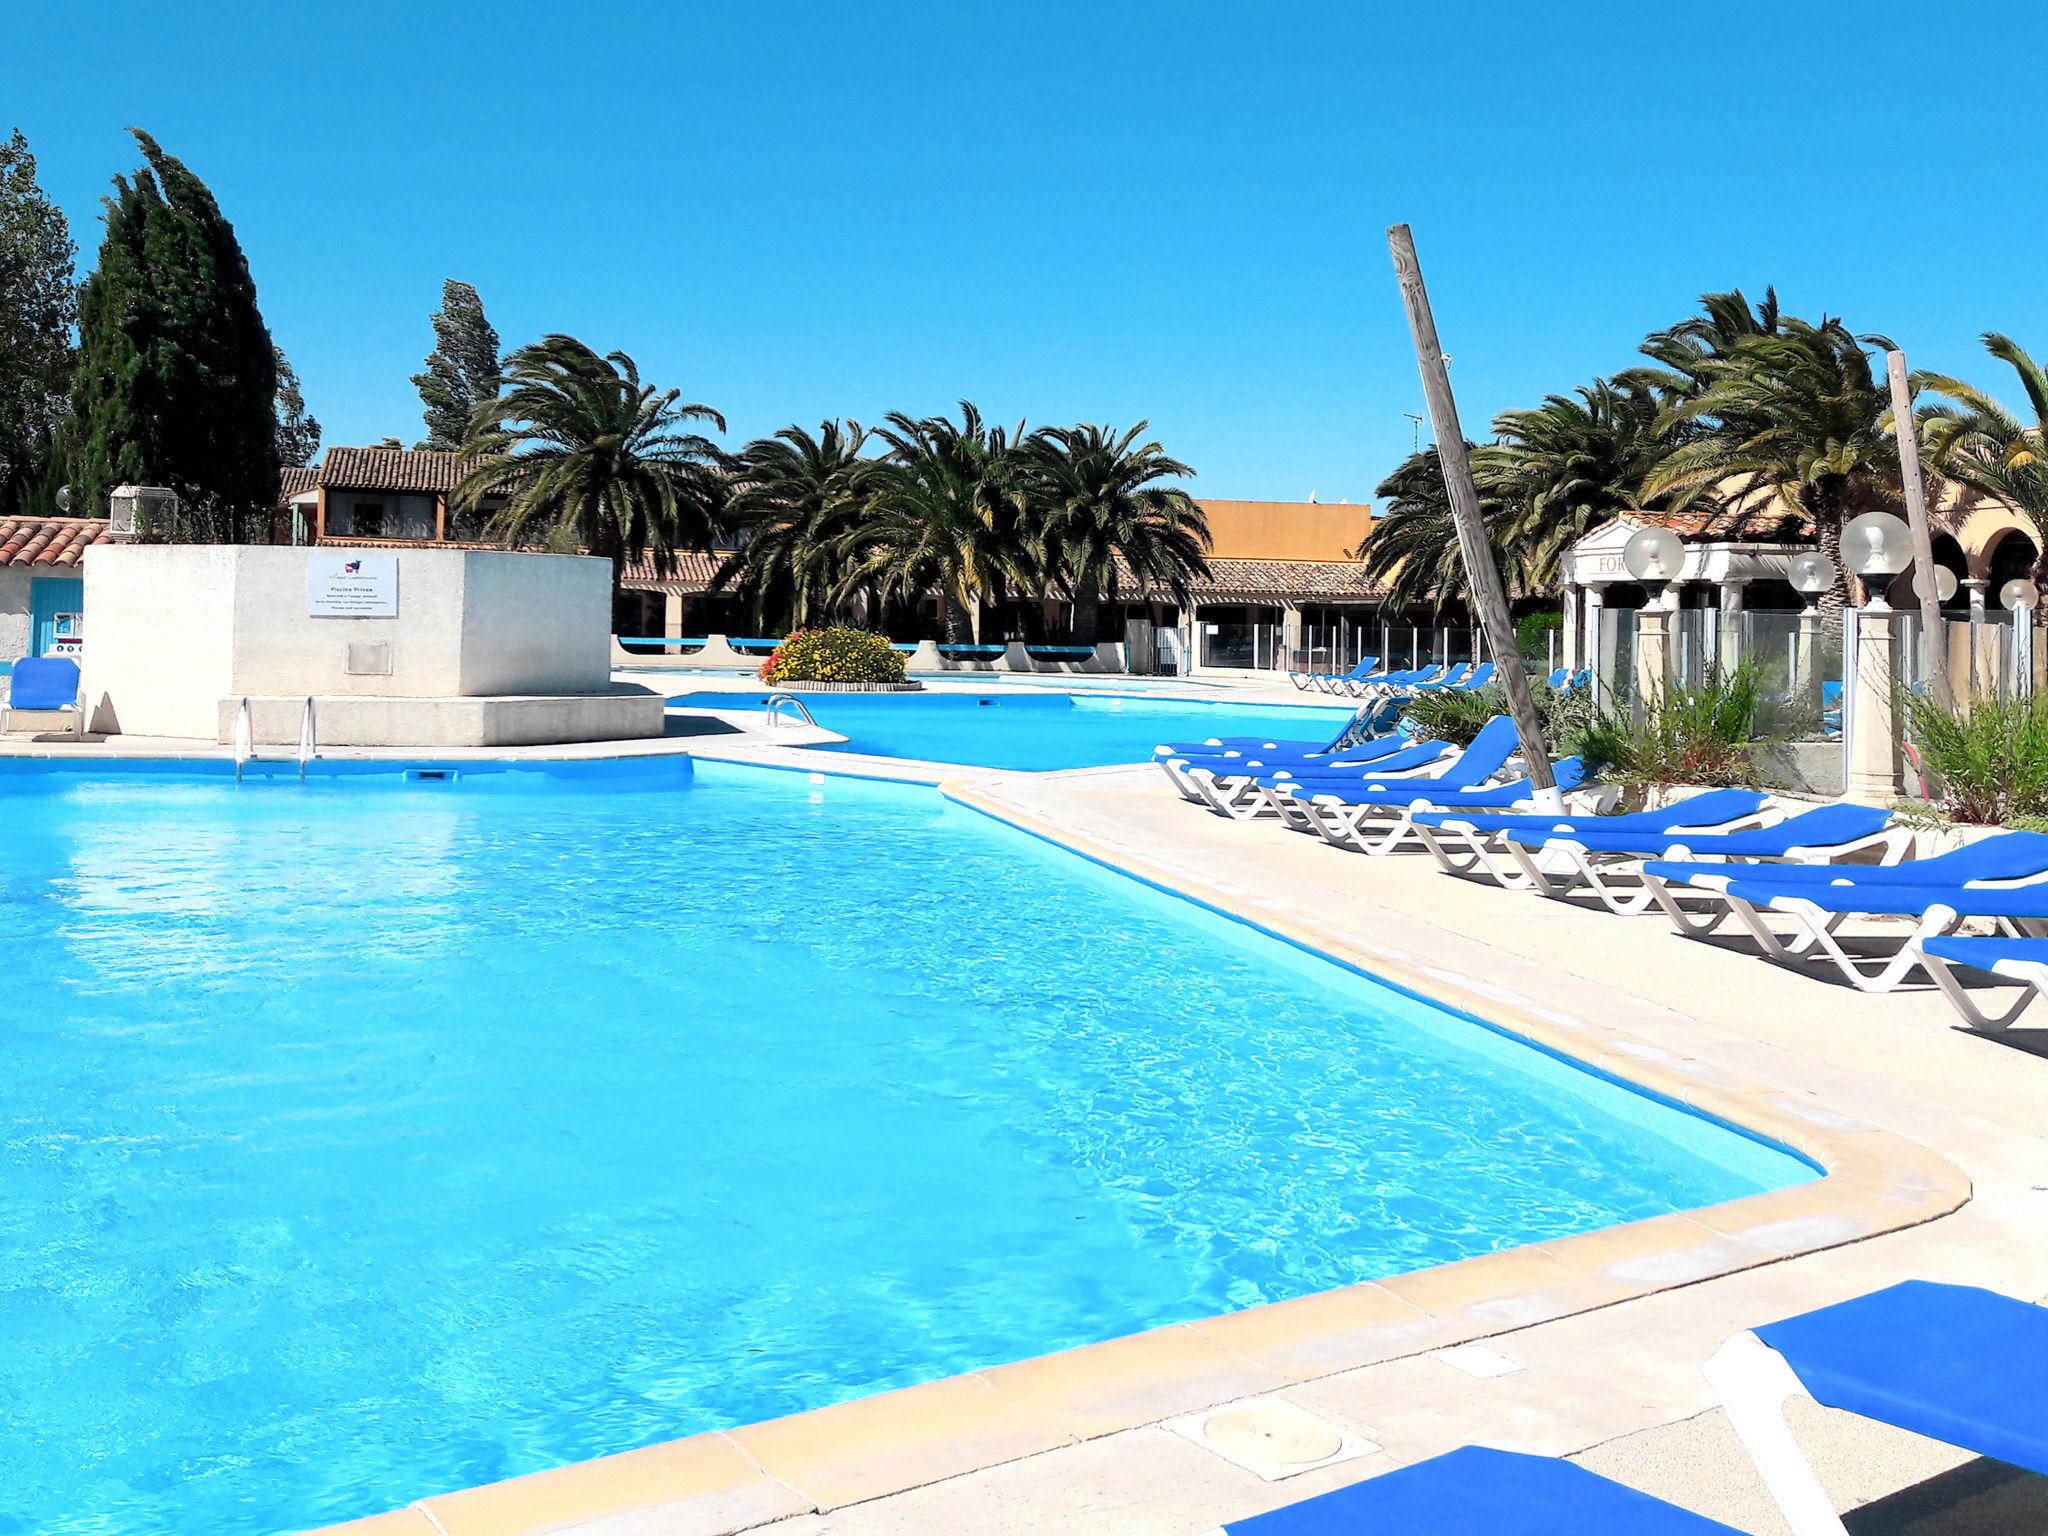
x: 55, y: 612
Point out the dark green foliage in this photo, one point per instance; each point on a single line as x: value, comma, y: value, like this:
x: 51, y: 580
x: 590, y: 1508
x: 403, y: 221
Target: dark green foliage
x: 1989, y: 757
x: 797, y: 498
x: 1098, y: 505
x: 1455, y: 715
x: 1532, y: 635
x: 177, y: 378
x: 463, y: 370
x: 593, y: 458
x: 1706, y: 735
x: 298, y: 432
x: 37, y: 307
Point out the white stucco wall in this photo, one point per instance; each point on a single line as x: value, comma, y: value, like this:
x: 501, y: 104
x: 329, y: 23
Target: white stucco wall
x: 176, y: 629
x: 14, y: 580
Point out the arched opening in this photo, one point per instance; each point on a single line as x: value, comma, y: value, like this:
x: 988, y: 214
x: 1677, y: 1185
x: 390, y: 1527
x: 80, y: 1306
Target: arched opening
x: 2014, y: 555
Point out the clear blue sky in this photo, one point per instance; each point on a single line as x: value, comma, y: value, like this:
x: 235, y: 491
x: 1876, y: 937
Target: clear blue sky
x: 1087, y: 211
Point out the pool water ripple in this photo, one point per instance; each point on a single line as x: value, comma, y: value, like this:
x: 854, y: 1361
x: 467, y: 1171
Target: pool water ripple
x: 362, y: 1142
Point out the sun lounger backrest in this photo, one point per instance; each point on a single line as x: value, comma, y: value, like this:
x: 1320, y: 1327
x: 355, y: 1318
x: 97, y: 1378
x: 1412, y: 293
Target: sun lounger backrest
x: 1488, y: 754
x: 1708, y: 808
x: 2007, y: 856
x: 1831, y: 824
x: 44, y: 682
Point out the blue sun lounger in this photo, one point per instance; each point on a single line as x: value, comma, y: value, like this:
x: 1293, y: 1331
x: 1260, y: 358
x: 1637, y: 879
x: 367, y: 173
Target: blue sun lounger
x: 1955, y: 1363
x: 2022, y: 960
x: 1233, y: 788
x: 45, y: 685
x: 1821, y: 907
x: 1480, y: 1492
x: 1380, y: 819
x: 2009, y: 862
x: 1335, y: 682
x: 1462, y: 843
x: 1555, y: 863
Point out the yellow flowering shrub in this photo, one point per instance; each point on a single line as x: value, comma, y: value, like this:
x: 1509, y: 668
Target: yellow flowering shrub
x: 835, y: 655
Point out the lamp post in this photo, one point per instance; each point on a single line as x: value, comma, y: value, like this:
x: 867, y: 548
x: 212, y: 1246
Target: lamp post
x: 2018, y: 597
x: 1877, y: 546
x: 1654, y: 557
x: 1810, y: 575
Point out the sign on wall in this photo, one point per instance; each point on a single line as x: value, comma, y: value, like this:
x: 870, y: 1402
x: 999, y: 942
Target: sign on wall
x: 351, y: 586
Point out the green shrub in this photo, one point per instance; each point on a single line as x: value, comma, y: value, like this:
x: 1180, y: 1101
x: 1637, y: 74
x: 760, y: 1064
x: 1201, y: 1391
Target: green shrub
x: 1988, y: 761
x: 1456, y: 715
x: 1706, y: 735
x: 836, y: 655
x: 1532, y: 635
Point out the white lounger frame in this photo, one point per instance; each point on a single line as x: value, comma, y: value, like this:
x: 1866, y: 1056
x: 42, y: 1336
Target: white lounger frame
x: 1754, y: 1384
x: 1374, y: 828
x: 1817, y: 937
x: 1583, y: 866
x: 2032, y: 976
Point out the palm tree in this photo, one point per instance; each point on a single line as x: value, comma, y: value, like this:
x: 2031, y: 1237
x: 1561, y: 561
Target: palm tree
x: 1563, y: 469
x: 1413, y: 552
x: 1683, y: 352
x: 592, y: 457
x: 1985, y: 446
x: 1105, y: 512
x: 951, y: 514
x: 798, y: 501
x: 1800, y: 412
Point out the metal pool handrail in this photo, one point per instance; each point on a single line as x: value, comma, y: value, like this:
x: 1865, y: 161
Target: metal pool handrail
x: 779, y: 702
x: 309, y: 737
x: 245, y: 736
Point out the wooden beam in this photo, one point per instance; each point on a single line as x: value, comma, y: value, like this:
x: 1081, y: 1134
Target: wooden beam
x: 1933, y: 637
x: 1482, y: 576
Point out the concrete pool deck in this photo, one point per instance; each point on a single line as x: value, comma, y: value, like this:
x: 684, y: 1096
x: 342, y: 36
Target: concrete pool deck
x: 1934, y: 1139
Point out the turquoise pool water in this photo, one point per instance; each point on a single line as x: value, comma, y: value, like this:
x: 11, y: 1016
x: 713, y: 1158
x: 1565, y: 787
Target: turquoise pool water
x: 370, y: 1139
x: 1054, y: 730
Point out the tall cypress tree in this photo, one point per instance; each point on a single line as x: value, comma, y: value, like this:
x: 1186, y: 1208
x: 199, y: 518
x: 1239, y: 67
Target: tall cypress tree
x: 463, y: 369
x: 37, y: 306
x: 177, y: 377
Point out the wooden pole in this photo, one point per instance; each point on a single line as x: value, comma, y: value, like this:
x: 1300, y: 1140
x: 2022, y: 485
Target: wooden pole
x: 1933, y: 649
x: 1482, y: 576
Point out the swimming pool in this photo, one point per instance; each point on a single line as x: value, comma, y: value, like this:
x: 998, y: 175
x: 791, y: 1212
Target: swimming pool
x: 1034, y: 731
x: 376, y: 1138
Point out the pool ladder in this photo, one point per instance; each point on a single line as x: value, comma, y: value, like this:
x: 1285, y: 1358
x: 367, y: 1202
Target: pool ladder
x: 779, y: 703
x: 245, y: 737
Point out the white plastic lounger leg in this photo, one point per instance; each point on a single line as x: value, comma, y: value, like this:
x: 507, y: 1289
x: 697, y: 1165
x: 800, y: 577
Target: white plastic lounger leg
x: 1531, y: 875
x: 1694, y: 924
x: 2032, y: 979
x: 1820, y: 927
x: 1754, y: 1383
x: 1455, y: 847
x: 1767, y: 940
x: 1622, y: 900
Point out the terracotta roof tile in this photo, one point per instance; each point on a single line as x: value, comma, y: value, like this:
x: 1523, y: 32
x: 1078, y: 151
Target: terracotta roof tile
x: 50, y: 541
x: 423, y: 470
x: 296, y: 480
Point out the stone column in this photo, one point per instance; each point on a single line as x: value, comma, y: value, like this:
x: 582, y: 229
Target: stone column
x: 1806, y: 679
x: 1874, y: 759
x: 672, y: 615
x: 1977, y: 587
x: 1290, y: 638
x: 1574, y: 646
x: 1599, y: 643
x: 1653, y: 653
x: 1728, y: 625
